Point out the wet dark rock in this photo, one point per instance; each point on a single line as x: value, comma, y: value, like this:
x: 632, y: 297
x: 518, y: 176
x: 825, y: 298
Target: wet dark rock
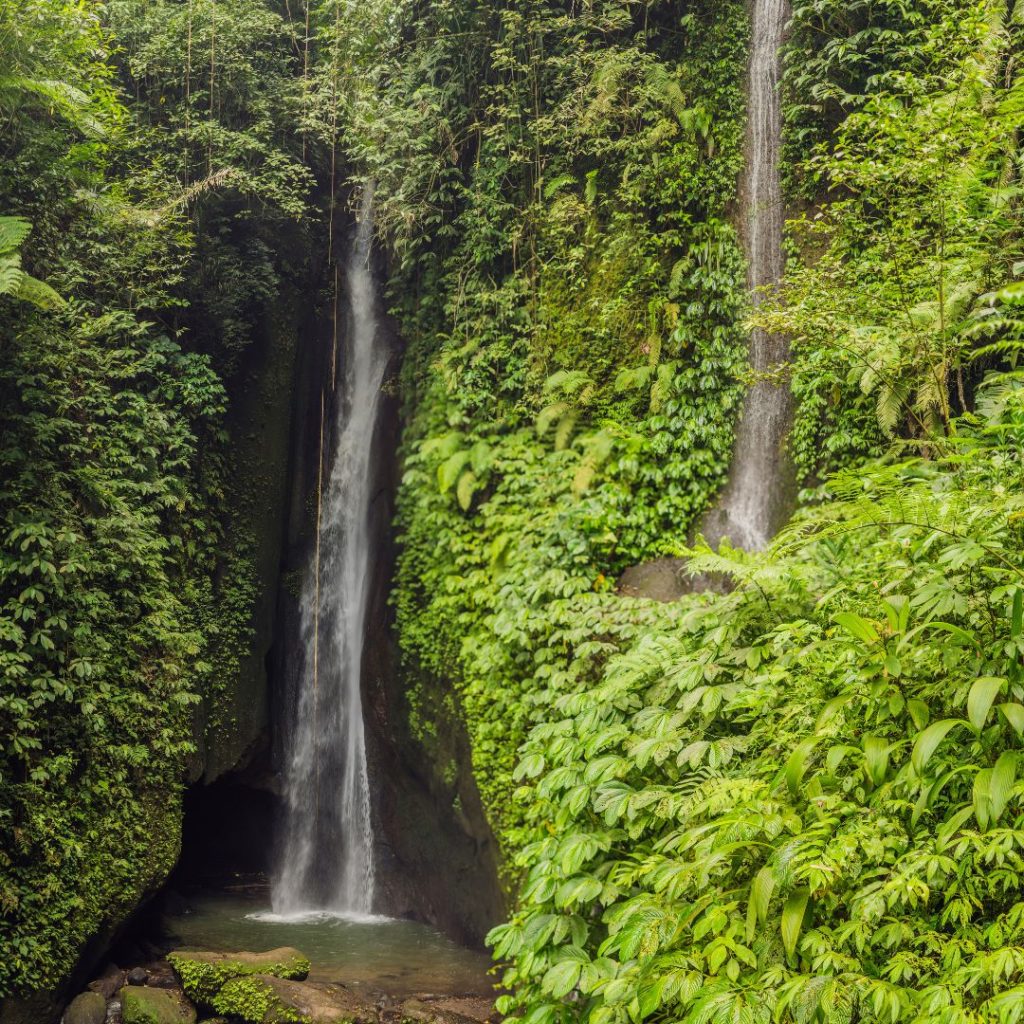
x: 87, y: 1008
x: 423, y: 1011
x: 137, y: 976
x: 108, y: 982
x: 659, y: 580
x: 669, y: 579
x: 161, y: 975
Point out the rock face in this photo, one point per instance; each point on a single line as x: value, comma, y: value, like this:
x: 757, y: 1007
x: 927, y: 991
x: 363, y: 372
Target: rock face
x: 203, y: 975
x: 155, y: 1006
x: 88, y: 1008
x: 436, y: 860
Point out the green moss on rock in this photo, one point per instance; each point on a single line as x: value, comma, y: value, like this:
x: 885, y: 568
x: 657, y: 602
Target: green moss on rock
x: 87, y: 1008
x: 263, y: 999
x: 203, y: 974
x: 141, y: 1005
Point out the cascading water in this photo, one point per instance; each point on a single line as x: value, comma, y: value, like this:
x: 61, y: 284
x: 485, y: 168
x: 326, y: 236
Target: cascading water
x: 754, y: 503
x: 327, y: 863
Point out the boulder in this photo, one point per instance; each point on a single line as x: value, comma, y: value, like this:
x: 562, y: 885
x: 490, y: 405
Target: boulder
x: 137, y: 976
x: 202, y: 974
x: 662, y: 579
x: 160, y: 974
x: 88, y: 1008
x: 423, y: 1011
x: 264, y: 999
x: 108, y: 982
x: 155, y: 1006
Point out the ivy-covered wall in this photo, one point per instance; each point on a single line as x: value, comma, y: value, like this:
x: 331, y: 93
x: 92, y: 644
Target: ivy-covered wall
x: 160, y: 208
x: 571, y: 289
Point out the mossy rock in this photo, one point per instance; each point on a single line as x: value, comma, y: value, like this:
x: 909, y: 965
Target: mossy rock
x: 155, y: 1006
x: 203, y: 974
x: 88, y: 1008
x: 264, y: 999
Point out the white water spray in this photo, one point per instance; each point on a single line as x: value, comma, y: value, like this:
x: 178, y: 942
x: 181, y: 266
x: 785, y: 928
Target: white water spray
x: 327, y: 863
x: 754, y: 502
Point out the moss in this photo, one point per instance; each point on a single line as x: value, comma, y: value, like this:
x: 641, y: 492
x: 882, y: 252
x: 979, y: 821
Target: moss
x: 154, y: 1006
x: 203, y: 975
x: 264, y: 999
x: 252, y: 999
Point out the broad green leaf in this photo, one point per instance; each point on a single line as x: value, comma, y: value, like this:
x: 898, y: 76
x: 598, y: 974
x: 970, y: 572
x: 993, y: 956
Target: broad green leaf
x: 449, y: 470
x: 876, y: 758
x: 979, y: 701
x: 796, y: 766
x: 858, y: 627
x: 919, y: 712
x: 927, y: 741
x: 761, y: 890
x: 829, y: 711
x: 793, y: 918
x: 465, y: 488
x: 561, y: 979
x: 529, y: 767
x: 1014, y: 715
x: 1000, y: 787
x: 981, y: 799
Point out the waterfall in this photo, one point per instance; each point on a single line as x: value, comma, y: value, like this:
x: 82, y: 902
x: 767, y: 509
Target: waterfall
x: 327, y: 863
x: 755, y: 500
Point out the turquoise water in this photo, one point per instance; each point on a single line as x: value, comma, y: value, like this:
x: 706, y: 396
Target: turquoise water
x: 373, y: 954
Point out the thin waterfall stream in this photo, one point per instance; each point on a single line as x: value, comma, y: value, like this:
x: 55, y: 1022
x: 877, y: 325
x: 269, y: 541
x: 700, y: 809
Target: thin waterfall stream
x: 754, y: 503
x: 327, y: 861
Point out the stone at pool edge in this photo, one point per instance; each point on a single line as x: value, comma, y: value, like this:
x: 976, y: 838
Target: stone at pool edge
x: 418, y: 1011
x: 87, y: 1008
x: 140, y: 1005
x: 265, y: 999
x: 203, y: 973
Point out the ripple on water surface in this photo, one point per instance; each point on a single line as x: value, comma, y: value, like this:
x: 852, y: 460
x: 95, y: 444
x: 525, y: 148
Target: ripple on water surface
x: 376, y: 954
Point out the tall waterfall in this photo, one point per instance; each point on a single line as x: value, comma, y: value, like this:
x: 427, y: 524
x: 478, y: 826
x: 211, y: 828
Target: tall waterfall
x: 327, y: 852
x: 754, y: 503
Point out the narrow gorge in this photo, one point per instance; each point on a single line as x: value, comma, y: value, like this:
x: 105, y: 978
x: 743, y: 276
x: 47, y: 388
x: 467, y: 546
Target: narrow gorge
x: 326, y: 863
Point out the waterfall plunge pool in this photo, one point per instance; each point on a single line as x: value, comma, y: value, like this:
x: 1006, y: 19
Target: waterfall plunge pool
x: 372, y: 955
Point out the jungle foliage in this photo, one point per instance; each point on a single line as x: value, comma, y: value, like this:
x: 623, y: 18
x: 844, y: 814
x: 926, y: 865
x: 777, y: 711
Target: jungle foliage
x: 799, y: 801
x: 131, y: 277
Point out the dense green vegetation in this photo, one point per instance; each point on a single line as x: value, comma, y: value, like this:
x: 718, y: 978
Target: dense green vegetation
x: 130, y: 260
x: 796, y: 801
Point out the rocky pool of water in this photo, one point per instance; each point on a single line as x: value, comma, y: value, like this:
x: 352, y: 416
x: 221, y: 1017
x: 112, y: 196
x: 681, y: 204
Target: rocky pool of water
x: 374, y: 955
